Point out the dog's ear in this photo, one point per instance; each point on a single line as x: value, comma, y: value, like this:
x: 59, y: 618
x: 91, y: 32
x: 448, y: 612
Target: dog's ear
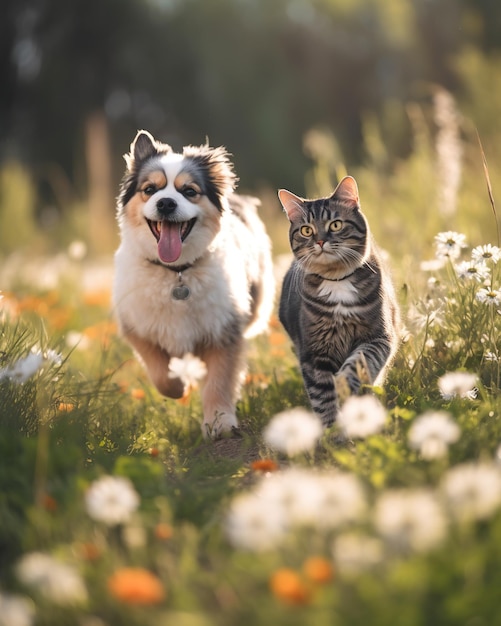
x: 217, y: 170
x: 143, y: 146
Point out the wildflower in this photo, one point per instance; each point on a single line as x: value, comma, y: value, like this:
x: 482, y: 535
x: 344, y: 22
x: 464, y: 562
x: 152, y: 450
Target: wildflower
x: 23, y: 369
x: 486, y: 253
x: 89, y: 551
x: 411, y: 519
x: 77, y: 250
x: 190, y: 369
x: 318, y: 570
x: 432, y: 432
x: 361, y: 416
x: 433, y: 265
x: 252, y: 524
x: 473, y: 490
x: 16, y: 610
x: 287, y: 586
x: 470, y: 270
x: 163, y: 531
x: 136, y: 585
x: 457, y: 384
x: 322, y: 500
x: 355, y: 552
x: 264, y: 465
x: 56, y: 581
x: 137, y: 393
x: 65, y: 407
x: 111, y: 500
x: 293, y: 431
x: 489, y: 296
x: 449, y: 244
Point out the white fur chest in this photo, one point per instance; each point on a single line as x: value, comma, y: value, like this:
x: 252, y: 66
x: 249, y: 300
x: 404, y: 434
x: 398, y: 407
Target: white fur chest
x: 338, y: 292
x: 144, y: 303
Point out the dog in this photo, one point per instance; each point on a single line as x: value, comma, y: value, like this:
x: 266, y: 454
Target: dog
x: 193, y: 271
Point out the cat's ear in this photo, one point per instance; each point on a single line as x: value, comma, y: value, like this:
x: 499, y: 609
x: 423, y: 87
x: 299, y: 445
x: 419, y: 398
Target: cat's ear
x: 293, y: 205
x: 347, y: 191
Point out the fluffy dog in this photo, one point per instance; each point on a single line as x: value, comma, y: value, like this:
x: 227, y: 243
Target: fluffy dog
x: 193, y: 272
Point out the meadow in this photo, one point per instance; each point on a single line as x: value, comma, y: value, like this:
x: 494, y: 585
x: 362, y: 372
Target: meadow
x: 114, y: 510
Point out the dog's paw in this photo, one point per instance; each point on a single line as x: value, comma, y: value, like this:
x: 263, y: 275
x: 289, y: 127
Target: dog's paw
x: 223, y: 425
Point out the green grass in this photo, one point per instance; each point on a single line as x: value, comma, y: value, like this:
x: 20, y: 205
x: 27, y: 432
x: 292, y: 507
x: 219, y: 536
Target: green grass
x: 93, y: 413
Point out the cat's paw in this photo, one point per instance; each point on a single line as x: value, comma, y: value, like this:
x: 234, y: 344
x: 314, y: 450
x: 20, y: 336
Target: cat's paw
x: 223, y: 425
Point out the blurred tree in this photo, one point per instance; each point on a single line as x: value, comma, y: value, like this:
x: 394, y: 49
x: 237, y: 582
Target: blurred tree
x: 253, y: 75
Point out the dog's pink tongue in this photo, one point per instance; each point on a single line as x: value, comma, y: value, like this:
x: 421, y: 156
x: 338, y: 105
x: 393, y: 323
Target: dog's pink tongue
x: 169, y: 244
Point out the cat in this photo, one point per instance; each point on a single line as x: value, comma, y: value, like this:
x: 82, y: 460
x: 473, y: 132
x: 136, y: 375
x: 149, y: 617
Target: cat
x: 338, y: 304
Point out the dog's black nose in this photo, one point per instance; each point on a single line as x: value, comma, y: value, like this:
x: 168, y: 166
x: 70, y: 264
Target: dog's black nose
x: 166, y: 205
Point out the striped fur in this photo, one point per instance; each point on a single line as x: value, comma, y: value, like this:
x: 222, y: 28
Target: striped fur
x: 338, y: 303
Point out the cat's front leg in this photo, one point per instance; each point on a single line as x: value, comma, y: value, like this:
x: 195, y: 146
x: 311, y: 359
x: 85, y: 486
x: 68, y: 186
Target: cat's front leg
x: 366, y: 365
x: 319, y: 384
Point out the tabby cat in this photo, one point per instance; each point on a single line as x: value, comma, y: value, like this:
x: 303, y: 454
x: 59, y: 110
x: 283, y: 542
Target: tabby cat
x: 338, y: 303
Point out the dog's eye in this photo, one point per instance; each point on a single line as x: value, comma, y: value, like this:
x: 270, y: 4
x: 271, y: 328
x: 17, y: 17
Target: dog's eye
x: 189, y: 192
x: 149, y: 190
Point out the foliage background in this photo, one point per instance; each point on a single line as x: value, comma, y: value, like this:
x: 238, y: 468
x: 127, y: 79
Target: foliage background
x: 281, y: 84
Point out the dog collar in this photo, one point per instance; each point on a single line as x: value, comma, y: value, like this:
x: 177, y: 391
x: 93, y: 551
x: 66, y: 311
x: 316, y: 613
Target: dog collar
x: 173, y: 268
x: 180, y: 291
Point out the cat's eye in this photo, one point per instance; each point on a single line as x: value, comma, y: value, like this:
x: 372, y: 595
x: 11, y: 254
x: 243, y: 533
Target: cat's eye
x: 306, y: 230
x: 335, y: 225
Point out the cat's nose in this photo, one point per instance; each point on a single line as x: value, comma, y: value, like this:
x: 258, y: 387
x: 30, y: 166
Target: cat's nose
x: 321, y: 243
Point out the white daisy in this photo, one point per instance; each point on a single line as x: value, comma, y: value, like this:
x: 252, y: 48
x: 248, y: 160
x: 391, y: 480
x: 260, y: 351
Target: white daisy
x: 293, y: 432
x: 491, y: 297
x: 361, y: 416
x: 354, y: 553
x: 111, y: 500
x: 432, y: 432
x: 486, y: 253
x: 343, y: 500
x: 190, y: 369
x: 16, y: 610
x: 57, y: 582
x: 472, y: 490
x: 457, y: 384
x: 255, y: 524
x: 23, y: 369
x: 410, y: 519
x: 432, y: 265
x: 471, y: 270
x: 449, y: 244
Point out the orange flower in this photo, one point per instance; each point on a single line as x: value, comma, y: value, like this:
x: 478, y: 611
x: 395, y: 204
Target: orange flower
x: 138, y: 394
x: 136, y: 585
x: 89, y: 551
x: 97, y: 298
x: 318, y: 570
x: 277, y: 339
x: 288, y: 586
x: 264, y: 465
x: 49, y: 503
x: 65, y: 407
x: 163, y: 531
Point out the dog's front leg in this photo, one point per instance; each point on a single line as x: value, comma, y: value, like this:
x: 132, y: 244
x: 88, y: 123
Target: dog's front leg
x: 156, y: 362
x: 221, y: 387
